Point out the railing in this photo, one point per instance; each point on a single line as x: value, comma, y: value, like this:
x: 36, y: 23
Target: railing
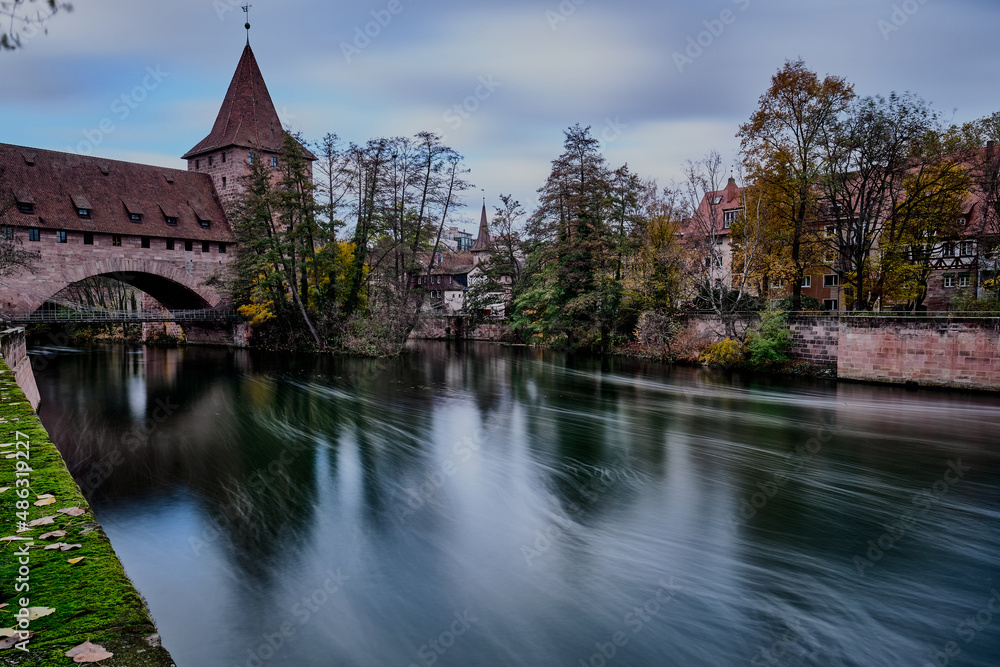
x: 863, y: 313
x: 108, y: 316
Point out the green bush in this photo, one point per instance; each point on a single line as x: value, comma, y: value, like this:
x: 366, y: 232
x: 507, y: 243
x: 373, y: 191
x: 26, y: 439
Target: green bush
x: 725, y: 353
x: 769, y: 340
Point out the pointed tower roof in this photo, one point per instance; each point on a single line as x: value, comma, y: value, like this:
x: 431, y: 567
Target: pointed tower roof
x: 482, y: 243
x: 247, y: 118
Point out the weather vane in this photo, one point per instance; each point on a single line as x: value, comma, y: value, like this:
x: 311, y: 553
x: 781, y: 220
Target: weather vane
x: 246, y: 10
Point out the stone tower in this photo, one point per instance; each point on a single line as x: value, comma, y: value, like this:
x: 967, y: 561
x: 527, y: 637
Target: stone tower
x: 247, y: 125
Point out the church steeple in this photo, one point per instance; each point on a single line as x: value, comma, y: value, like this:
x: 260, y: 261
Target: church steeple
x: 482, y: 243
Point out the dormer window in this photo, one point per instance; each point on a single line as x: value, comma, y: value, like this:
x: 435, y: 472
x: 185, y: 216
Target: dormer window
x: 962, y: 222
x: 83, y: 207
x: 717, y: 201
x: 25, y: 202
x: 171, y: 221
x: 25, y: 207
x: 730, y: 217
x: 133, y: 209
x: 205, y: 223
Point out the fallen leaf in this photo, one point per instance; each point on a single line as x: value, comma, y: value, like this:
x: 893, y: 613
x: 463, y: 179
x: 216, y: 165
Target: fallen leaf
x: 5, y: 489
x: 12, y: 538
x: 54, y: 533
x: 11, y: 642
x: 7, y: 632
x: 5, y: 604
x: 38, y: 612
x: 87, y: 652
x: 70, y: 547
x: 57, y: 545
x: 72, y: 511
x: 44, y: 521
x: 74, y: 561
x: 45, y: 495
x: 44, y: 501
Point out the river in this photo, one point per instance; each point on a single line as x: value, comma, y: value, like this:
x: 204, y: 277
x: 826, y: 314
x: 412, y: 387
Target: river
x: 479, y: 505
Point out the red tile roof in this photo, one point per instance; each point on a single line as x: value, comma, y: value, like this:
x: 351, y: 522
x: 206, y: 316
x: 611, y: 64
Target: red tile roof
x: 247, y: 118
x: 57, y: 184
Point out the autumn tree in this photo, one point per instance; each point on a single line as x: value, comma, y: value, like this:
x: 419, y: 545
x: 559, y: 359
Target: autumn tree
x: 23, y: 19
x: 783, y: 151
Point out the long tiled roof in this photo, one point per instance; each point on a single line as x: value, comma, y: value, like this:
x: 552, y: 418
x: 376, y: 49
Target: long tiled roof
x: 57, y: 184
x: 247, y: 118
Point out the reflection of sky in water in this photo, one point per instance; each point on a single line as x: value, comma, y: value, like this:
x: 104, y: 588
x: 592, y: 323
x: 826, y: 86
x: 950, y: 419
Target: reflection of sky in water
x: 612, y: 479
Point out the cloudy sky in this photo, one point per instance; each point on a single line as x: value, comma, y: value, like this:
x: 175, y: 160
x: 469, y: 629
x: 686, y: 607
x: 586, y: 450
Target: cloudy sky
x: 660, y: 81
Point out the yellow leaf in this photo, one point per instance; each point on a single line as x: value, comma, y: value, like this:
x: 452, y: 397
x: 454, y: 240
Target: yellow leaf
x: 44, y: 501
x: 74, y: 561
x: 39, y: 612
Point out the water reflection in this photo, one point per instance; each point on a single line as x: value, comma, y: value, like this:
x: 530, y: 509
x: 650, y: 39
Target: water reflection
x: 477, y: 505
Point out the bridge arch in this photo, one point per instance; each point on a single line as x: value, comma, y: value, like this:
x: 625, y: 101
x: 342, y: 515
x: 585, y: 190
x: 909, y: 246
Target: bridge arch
x: 168, y: 283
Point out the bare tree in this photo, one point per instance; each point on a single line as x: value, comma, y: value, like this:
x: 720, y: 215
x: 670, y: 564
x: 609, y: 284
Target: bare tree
x: 24, y: 19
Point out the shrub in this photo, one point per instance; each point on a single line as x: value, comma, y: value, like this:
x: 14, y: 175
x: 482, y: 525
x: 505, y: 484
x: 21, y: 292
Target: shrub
x: 726, y: 353
x: 769, y: 340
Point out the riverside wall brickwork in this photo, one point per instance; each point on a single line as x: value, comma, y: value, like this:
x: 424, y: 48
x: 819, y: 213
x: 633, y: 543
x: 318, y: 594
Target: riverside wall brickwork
x: 815, y: 339
x: 442, y: 328
x: 952, y: 352
x: 14, y: 351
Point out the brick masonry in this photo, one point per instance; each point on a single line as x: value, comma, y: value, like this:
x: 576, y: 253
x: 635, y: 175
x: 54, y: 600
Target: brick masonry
x: 952, y: 352
x: 14, y: 351
x: 815, y: 339
x: 176, y: 278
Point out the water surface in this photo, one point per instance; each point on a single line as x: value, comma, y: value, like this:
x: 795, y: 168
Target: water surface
x: 478, y: 505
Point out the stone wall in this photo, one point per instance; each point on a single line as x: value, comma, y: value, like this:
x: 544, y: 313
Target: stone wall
x: 431, y: 327
x: 815, y: 339
x: 14, y: 351
x: 952, y: 352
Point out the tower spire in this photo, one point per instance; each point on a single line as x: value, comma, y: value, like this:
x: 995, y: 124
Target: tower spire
x: 246, y: 10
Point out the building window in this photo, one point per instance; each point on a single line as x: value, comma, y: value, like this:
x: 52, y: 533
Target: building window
x: 211, y: 160
x: 717, y: 201
x: 197, y: 164
x: 83, y: 212
x: 188, y: 246
x: 171, y: 220
x: 205, y: 223
x: 730, y: 217
x: 34, y: 234
x: 135, y: 217
x: 962, y: 222
x: 831, y: 231
x: 7, y: 233
x: 968, y: 248
x: 250, y: 157
x: 832, y: 280
x: 205, y: 246
x: 949, y: 280
x: 807, y: 282
x: 116, y: 240
x: 170, y: 244
x: 223, y: 157
x: 223, y: 181
x: 963, y: 280
x: 222, y: 248
x: 274, y: 162
x: 25, y: 207
x: 948, y: 250
x: 88, y: 238
x: 61, y: 237
x: 831, y: 304
x: 145, y: 242
x: 777, y: 284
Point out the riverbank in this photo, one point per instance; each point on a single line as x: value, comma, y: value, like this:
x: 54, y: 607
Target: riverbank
x: 70, y: 601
